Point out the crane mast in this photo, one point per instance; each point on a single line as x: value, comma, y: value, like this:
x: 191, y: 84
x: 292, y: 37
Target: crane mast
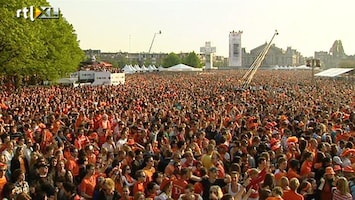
x: 248, y: 76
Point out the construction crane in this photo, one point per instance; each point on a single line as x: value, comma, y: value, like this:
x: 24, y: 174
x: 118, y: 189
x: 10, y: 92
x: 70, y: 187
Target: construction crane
x: 248, y: 76
x: 150, y: 48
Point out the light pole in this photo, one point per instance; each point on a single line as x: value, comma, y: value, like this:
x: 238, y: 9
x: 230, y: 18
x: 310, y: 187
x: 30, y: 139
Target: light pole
x: 150, y: 48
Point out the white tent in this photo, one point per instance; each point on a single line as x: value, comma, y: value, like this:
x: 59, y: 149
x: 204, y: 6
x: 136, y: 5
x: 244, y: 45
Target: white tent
x: 133, y: 69
x: 128, y: 69
x: 333, y: 72
x: 303, y: 67
x: 182, y: 68
x: 137, y: 68
x: 151, y: 68
x: 144, y: 68
x: 161, y: 68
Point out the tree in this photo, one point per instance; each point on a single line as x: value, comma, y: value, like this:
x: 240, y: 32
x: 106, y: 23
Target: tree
x: 45, y: 49
x: 193, y: 60
x: 171, y: 60
x: 148, y: 62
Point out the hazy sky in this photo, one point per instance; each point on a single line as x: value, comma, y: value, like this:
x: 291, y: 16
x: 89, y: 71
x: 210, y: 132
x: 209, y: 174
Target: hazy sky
x: 129, y: 25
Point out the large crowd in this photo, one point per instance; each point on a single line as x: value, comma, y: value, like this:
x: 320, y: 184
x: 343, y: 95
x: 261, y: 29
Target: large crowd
x: 181, y: 136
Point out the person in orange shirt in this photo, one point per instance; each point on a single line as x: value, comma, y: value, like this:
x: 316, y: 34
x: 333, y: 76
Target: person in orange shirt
x: 149, y: 168
x: 80, y: 120
x: 57, y: 124
x: 139, y: 185
x: 254, y: 180
x: 97, y: 119
x: 306, y: 168
x: 281, y: 170
x: 313, y: 147
x: 3, y: 179
x: 87, y: 186
x: 180, y: 183
x: 72, y: 163
x: 293, y: 168
x: 292, y: 194
x: 216, y: 162
x: 47, y: 138
x: 81, y: 140
x: 90, y: 153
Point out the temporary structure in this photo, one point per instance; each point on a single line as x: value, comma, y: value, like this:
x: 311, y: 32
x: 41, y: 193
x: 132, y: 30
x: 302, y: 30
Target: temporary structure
x: 334, y: 72
x: 182, y: 67
x: 128, y: 69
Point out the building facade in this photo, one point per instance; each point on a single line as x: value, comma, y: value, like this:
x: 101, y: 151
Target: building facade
x: 275, y: 57
x: 235, y: 49
x: 334, y: 57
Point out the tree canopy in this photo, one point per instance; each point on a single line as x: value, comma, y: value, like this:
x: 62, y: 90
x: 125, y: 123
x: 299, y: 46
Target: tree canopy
x: 171, y: 60
x: 45, y: 48
x: 192, y: 60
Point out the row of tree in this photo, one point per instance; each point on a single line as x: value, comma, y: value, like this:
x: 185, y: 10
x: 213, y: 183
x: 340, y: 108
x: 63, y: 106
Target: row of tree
x: 191, y: 59
x: 43, y: 49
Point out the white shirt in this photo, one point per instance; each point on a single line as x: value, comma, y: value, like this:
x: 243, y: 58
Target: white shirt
x: 110, y: 147
x: 121, y: 142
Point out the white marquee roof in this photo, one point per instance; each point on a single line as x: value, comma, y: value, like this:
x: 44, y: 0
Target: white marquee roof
x: 333, y: 72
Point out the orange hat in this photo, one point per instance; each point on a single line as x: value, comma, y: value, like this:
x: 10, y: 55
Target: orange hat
x: 293, y: 139
x: 329, y: 171
x: 348, y: 152
x: 348, y: 169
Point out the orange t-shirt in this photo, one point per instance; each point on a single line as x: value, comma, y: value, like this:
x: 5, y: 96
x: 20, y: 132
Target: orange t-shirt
x: 87, y: 185
x: 3, y: 182
x: 73, y: 166
x: 292, y: 174
x: 138, y: 187
x: 292, y: 195
x: 279, y: 175
x: 306, y: 168
x: 179, y: 186
x: 56, y: 126
x: 149, y: 173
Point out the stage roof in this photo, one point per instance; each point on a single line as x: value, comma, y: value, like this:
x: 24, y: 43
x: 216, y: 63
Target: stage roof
x: 333, y: 72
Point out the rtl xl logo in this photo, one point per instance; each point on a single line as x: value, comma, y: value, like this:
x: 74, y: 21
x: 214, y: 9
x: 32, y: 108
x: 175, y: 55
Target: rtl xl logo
x: 41, y: 12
